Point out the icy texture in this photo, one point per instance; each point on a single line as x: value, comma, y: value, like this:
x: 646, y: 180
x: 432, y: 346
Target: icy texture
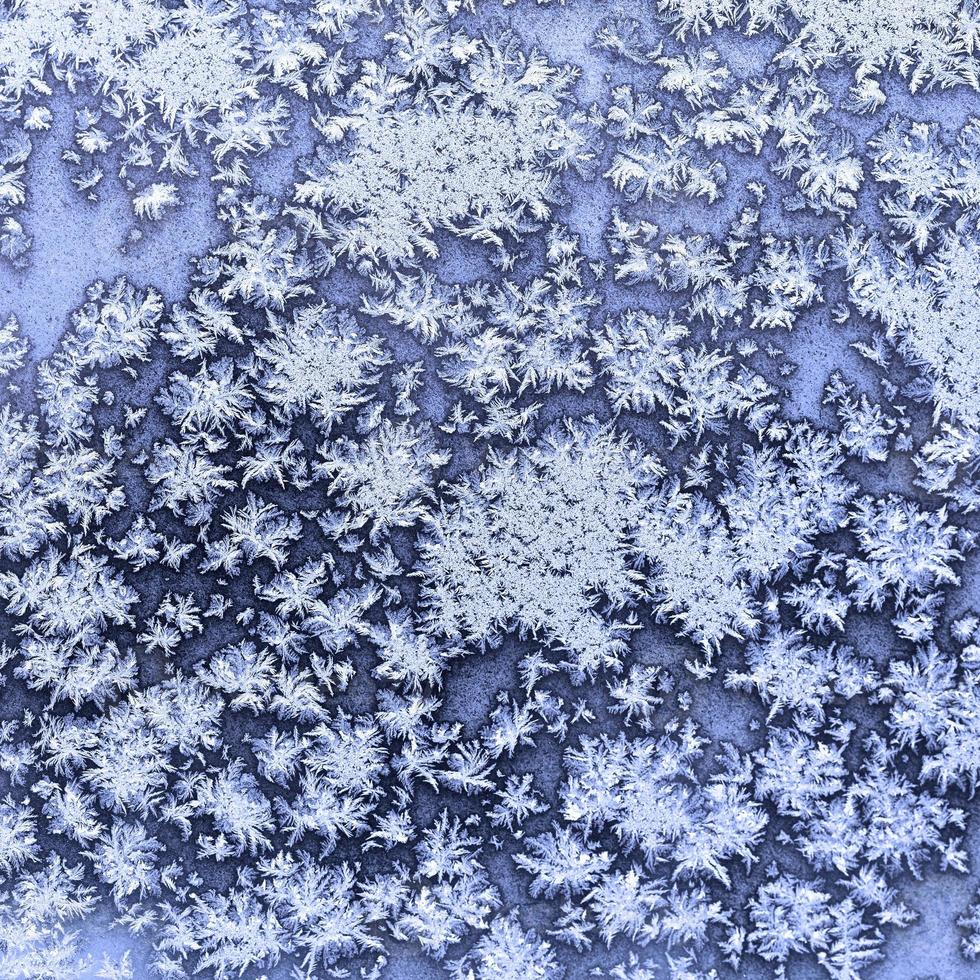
x: 489, y: 490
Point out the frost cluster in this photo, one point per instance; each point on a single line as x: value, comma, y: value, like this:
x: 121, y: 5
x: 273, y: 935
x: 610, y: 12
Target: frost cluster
x: 540, y: 541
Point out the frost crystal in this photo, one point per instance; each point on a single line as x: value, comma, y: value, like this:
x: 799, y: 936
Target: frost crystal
x: 489, y: 490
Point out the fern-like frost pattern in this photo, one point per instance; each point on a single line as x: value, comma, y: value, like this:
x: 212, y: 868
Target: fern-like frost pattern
x: 489, y: 489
